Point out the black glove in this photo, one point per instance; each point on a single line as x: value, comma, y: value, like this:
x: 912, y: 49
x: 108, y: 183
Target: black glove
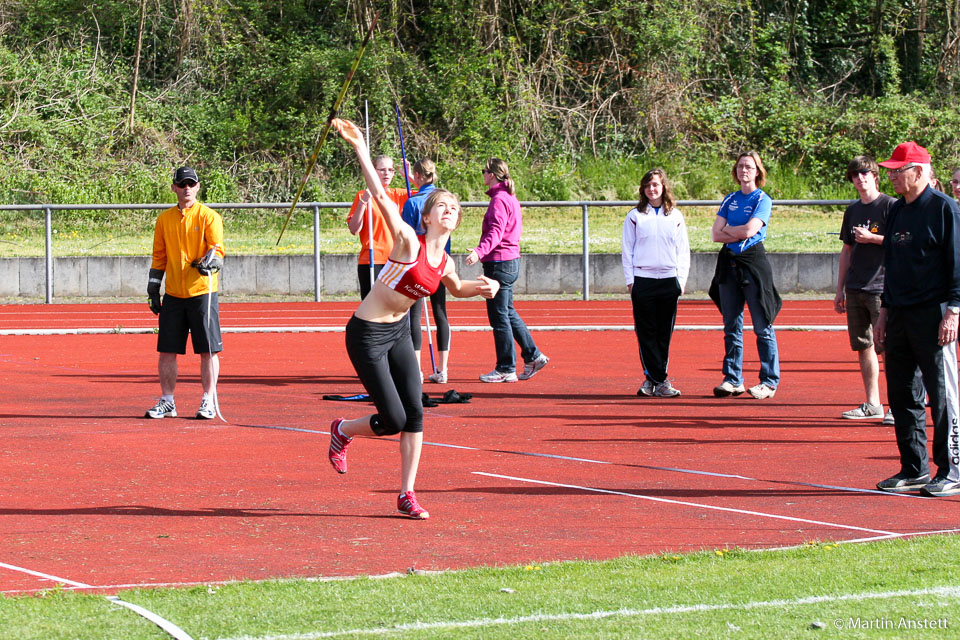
x: 210, y: 263
x: 153, y: 290
x: 153, y: 300
x: 210, y: 266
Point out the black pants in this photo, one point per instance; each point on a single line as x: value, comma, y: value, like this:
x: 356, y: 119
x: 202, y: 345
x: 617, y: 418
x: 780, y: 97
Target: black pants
x: 438, y: 302
x: 180, y: 316
x: 363, y: 277
x: 912, y: 347
x: 383, y: 357
x: 654, y: 314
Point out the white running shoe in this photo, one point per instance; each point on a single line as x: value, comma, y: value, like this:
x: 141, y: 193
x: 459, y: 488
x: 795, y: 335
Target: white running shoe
x: 727, y: 388
x: 865, y: 411
x: 761, y: 391
x: 499, y: 376
x: 530, y: 368
x: 163, y: 409
x: 440, y: 377
x: 666, y: 390
x: 206, y: 410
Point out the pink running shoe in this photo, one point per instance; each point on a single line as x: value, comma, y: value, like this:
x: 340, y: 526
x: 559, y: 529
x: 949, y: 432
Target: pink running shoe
x: 407, y: 505
x: 338, y: 447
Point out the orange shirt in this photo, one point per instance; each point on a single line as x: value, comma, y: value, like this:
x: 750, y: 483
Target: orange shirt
x: 382, y: 238
x: 180, y: 238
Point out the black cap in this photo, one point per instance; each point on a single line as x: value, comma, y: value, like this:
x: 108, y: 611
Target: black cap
x: 185, y: 173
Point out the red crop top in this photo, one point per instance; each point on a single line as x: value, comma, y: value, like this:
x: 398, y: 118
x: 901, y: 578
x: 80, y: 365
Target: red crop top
x: 415, y: 279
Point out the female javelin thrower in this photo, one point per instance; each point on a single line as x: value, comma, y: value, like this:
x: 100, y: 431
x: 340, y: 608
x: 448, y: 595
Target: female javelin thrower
x: 378, y: 334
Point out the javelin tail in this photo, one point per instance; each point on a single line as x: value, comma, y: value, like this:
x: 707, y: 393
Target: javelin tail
x: 329, y: 124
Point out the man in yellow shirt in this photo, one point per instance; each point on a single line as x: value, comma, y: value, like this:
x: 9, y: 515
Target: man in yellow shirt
x: 188, y: 250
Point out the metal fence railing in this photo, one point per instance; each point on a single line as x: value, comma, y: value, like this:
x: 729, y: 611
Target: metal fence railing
x: 583, y: 205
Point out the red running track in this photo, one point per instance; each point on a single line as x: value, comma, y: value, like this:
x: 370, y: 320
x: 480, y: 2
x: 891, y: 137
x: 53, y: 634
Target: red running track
x: 570, y: 464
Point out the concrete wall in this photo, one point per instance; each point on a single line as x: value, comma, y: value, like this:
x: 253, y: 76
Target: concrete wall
x: 294, y: 275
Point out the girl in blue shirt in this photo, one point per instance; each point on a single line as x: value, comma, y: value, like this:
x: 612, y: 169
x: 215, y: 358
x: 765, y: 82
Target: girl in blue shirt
x: 744, y: 276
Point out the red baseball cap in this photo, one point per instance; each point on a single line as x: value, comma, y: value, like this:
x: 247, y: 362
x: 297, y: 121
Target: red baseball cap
x: 906, y: 153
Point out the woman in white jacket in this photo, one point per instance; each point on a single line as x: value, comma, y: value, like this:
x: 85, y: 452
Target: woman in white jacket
x: 656, y: 262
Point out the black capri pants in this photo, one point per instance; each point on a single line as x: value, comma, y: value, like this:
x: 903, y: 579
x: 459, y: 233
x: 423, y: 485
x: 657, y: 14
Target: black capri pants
x: 438, y: 301
x: 382, y: 354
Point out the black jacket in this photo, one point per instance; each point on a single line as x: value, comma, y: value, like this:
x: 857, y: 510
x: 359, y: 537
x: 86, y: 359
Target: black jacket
x: 921, y: 253
x: 753, y: 261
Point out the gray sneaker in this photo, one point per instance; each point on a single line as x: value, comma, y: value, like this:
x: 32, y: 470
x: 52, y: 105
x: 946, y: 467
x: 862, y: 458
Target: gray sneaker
x: 499, y: 376
x: 646, y: 389
x: 530, y: 368
x: 864, y: 412
x: 888, y: 418
x: 941, y: 487
x: 902, y: 483
x: 163, y: 409
x: 665, y: 390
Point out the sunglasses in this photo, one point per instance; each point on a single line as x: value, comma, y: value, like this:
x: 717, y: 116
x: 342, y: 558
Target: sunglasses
x: 187, y: 184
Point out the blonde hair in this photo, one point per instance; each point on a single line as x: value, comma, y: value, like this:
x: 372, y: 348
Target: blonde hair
x: 431, y: 200
x: 426, y: 169
x: 668, y: 200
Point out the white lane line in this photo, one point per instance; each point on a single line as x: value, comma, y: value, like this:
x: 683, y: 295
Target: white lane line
x: 339, y: 328
x: 166, y: 625
x: 45, y: 576
x: 951, y: 592
x: 172, y: 629
x: 894, y: 536
x: 697, y: 505
x: 554, y: 456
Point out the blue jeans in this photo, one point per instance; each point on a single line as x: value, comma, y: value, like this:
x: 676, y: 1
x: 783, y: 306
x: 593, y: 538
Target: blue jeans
x: 506, y: 323
x: 741, y: 288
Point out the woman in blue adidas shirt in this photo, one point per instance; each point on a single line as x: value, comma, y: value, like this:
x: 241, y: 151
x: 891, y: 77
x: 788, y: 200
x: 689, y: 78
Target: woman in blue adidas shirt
x: 744, y: 276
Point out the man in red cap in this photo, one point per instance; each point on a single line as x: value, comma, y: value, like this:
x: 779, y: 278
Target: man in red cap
x: 918, y: 324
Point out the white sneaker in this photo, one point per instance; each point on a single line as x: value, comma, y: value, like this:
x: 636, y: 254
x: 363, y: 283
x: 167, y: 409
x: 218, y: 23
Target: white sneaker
x: 206, y: 410
x: 530, y: 368
x: 727, y: 388
x: 762, y: 391
x: 499, y: 376
x: 440, y: 377
x: 163, y: 409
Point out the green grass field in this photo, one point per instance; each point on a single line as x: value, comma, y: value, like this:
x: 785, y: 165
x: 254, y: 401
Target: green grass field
x: 113, y: 233
x: 891, y: 589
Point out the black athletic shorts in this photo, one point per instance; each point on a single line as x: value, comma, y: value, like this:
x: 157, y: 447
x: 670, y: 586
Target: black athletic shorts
x: 179, y: 316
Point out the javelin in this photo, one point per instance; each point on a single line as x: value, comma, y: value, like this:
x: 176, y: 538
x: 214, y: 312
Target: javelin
x: 426, y: 314
x: 326, y: 128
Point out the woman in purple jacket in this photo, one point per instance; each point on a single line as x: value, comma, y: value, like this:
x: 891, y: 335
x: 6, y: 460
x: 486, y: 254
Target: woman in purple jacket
x: 499, y: 251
